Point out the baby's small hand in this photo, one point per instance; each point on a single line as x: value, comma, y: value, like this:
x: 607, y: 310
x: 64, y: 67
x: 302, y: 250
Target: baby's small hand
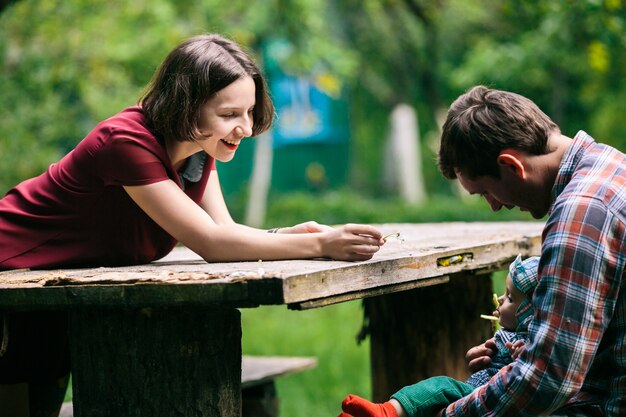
x: 515, y: 348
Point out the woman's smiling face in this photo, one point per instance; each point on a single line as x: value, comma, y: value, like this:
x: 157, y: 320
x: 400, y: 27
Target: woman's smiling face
x: 226, y: 119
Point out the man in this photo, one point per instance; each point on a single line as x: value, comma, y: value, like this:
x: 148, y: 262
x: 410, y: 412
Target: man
x: 502, y: 146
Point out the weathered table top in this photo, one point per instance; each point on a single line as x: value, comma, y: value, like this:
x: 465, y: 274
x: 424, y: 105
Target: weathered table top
x: 425, y: 254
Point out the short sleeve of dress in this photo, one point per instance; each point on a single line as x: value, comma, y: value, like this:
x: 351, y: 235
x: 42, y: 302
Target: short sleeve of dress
x: 130, y: 161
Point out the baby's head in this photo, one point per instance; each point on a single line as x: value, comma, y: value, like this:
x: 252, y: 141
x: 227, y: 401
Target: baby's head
x: 514, y: 309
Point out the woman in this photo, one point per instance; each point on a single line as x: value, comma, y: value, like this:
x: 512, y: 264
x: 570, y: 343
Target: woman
x: 137, y: 184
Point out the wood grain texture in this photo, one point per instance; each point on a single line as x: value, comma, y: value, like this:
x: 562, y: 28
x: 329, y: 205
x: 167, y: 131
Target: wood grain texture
x: 426, y: 332
x: 256, y: 370
x: 182, y: 278
x: 156, y: 362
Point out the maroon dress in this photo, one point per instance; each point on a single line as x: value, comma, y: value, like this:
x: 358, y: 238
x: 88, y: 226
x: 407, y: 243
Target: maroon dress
x: 77, y: 213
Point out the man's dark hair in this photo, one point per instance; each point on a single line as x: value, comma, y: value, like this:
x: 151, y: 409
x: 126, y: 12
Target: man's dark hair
x: 482, y: 123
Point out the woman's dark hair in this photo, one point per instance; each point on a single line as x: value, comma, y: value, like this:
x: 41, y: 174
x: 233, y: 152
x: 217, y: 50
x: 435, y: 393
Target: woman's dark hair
x: 482, y: 123
x: 190, y: 76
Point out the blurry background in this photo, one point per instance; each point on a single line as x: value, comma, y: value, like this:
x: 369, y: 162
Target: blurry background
x: 360, y: 86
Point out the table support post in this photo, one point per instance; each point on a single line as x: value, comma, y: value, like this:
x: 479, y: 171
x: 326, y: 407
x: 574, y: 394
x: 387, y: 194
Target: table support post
x: 164, y: 362
x: 426, y: 332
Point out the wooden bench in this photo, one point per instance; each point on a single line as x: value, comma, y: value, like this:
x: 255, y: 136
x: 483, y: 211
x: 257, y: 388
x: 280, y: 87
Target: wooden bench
x: 258, y: 390
x: 258, y: 373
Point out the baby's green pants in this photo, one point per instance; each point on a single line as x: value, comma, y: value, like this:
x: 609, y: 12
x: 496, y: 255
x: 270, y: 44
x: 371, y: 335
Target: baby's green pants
x: 431, y: 395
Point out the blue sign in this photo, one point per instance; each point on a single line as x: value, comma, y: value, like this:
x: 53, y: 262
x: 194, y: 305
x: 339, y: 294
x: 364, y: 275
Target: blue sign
x: 304, y: 113
x: 309, y: 109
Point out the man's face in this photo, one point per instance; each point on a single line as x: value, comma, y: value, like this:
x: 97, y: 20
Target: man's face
x: 508, y: 191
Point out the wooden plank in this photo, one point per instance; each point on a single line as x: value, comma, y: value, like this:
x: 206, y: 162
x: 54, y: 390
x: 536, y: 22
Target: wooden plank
x: 67, y: 410
x: 426, y: 251
x: 465, y: 248
x: 136, y: 295
x: 357, y: 295
x: 257, y: 370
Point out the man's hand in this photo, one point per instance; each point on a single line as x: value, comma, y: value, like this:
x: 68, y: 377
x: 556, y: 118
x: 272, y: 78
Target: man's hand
x: 479, y: 357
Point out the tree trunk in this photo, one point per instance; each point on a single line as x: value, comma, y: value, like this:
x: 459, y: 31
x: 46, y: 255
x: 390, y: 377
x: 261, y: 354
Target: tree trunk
x: 173, y: 353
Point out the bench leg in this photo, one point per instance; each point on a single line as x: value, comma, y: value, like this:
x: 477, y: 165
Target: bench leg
x: 156, y: 362
x: 260, y: 400
x: 426, y: 332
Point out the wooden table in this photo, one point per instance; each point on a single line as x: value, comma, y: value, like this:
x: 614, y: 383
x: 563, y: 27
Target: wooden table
x: 164, y: 339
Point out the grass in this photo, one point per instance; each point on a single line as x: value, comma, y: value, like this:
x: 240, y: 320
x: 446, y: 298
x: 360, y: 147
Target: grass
x: 329, y: 334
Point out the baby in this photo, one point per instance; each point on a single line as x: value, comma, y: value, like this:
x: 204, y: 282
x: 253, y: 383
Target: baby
x: 426, y: 397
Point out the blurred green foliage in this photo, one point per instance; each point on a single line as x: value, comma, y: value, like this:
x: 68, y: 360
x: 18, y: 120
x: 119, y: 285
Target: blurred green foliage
x: 67, y: 64
x: 344, y: 206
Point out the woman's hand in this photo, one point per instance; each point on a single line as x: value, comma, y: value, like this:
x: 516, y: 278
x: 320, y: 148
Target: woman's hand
x: 351, y: 242
x: 307, y: 227
x: 479, y: 357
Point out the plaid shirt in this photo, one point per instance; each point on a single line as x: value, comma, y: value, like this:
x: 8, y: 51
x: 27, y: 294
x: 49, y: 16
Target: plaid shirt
x: 575, y: 361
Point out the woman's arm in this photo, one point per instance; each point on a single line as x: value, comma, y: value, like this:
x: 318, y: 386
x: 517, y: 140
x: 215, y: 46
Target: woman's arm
x: 213, y: 201
x: 216, y: 237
